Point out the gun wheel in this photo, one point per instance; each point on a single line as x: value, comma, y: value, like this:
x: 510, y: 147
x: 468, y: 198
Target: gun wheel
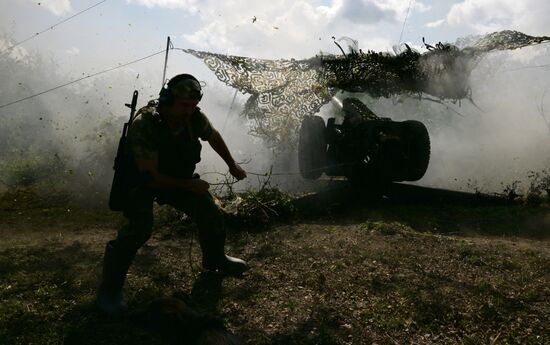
x: 419, y: 149
x: 312, y: 147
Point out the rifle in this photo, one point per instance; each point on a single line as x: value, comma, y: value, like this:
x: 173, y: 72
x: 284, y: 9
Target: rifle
x: 122, y: 165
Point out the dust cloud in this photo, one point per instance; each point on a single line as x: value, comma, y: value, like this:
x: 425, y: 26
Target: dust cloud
x: 64, y: 142
x: 68, y: 137
x: 501, y: 138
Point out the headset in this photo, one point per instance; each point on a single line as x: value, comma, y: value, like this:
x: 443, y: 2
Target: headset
x: 167, y: 97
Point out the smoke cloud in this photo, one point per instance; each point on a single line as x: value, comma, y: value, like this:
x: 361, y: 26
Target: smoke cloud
x: 65, y: 141
x: 498, y: 140
x: 69, y: 136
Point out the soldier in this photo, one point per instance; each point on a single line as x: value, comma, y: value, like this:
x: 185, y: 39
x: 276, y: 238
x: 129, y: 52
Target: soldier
x: 164, y: 144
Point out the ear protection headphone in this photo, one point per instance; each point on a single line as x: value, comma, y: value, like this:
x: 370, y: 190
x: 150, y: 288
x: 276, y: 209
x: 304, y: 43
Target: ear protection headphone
x: 167, y: 97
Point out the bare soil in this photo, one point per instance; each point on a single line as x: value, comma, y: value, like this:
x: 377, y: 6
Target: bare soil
x: 389, y: 273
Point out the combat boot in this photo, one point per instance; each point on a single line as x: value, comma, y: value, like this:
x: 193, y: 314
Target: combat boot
x: 115, y: 267
x: 215, y: 259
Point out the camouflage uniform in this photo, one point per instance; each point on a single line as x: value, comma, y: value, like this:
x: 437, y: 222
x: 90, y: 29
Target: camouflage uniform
x: 177, y: 154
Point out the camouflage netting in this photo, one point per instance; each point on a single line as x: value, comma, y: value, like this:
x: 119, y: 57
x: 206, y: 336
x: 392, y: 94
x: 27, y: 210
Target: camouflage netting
x: 284, y: 91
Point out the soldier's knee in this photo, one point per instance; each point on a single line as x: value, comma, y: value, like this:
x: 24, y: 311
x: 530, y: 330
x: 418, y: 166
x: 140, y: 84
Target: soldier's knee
x: 135, y: 234
x: 143, y: 234
x: 209, y: 213
x: 141, y: 240
x: 217, y: 218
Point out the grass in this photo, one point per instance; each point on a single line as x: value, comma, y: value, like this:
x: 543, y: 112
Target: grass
x: 386, y: 274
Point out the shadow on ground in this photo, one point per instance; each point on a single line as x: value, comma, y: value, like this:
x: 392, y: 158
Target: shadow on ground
x: 427, y: 210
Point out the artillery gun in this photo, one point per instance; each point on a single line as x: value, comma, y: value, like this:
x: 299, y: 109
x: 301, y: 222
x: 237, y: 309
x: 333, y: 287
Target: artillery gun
x: 367, y: 149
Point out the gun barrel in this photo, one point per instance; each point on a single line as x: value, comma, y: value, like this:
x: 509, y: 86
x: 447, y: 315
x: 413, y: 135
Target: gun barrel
x: 337, y: 102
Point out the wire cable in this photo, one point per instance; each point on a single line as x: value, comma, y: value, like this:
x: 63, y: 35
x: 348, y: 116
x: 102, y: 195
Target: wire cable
x: 405, y: 21
x: 51, y: 27
x: 529, y: 67
x: 80, y: 79
x: 272, y: 174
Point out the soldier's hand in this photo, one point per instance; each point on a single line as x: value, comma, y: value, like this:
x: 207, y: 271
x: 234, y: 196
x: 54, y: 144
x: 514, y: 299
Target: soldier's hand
x: 199, y: 186
x: 237, y: 172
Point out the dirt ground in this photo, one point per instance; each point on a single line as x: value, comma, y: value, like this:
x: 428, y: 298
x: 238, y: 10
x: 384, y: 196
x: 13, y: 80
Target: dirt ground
x: 405, y: 273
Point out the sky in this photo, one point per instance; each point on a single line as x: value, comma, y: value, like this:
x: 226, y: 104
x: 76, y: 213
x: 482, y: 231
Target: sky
x: 122, y: 30
x: 118, y: 31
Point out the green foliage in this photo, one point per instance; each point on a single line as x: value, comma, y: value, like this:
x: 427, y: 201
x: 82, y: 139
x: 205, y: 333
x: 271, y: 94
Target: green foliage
x: 386, y: 228
x: 260, y: 208
x: 26, y: 170
x: 64, y: 139
x: 510, y: 191
x: 34, y: 181
x: 539, y: 187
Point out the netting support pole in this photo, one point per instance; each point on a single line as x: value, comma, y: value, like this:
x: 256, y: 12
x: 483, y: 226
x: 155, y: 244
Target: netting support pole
x: 165, y: 62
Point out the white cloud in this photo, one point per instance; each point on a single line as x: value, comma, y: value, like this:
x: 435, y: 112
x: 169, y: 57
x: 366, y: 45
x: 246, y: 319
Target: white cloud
x: 73, y: 51
x: 529, y: 16
x: 188, y: 5
x: 298, y: 28
x: 372, y: 11
x: 420, y: 7
x: 289, y: 28
x: 211, y: 35
x: 57, y: 7
x: 435, y: 23
x: 367, y: 12
x: 17, y: 53
x: 241, y: 27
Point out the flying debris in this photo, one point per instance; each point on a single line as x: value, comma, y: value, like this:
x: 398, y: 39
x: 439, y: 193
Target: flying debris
x: 284, y: 91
